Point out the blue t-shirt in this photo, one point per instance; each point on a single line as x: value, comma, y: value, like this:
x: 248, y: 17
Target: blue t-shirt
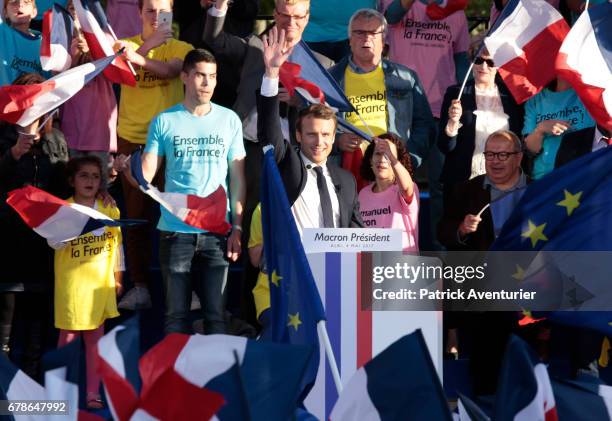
x: 197, y: 151
x: 19, y: 54
x: 549, y: 105
x: 329, y: 19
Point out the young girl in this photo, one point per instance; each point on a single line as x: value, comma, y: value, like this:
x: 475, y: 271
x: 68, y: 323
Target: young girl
x: 88, y: 273
x: 392, y: 200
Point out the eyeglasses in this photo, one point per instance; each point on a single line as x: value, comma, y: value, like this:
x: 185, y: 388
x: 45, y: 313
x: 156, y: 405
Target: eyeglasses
x: 480, y: 60
x: 363, y: 34
x: 501, y: 156
x: 289, y: 17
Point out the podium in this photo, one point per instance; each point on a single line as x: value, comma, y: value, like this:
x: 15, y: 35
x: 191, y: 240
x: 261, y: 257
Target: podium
x: 357, y: 334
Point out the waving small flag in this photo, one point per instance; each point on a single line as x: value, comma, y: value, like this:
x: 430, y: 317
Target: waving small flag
x: 24, y: 104
x: 206, y: 213
x: 100, y: 39
x: 56, y: 39
x: 291, y: 80
x: 585, y: 61
x: 524, y: 43
x: 55, y: 219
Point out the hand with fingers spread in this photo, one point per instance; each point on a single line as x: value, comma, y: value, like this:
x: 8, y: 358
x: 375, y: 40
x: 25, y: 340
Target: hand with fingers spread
x: 275, y: 52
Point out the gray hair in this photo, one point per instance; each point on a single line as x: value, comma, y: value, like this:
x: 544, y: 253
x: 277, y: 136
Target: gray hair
x: 368, y: 14
x: 509, y: 136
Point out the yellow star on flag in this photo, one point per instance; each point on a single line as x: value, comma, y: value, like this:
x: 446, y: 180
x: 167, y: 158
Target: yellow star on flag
x: 519, y: 275
x: 294, y: 320
x: 535, y: 233
x: 275, y: 278
x: 571, y: 201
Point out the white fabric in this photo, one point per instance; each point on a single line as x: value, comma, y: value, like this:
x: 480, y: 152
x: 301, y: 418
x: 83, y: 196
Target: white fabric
x: 490, y: 117
x: 108, y: 351
x: 542, y: 402
x: 354, y: 404
x: 307, y: 208
x: 598, y: 142
x: 218, y: 13
x: 606, y: 395
x: 221, y: 352
x: 58, y: 389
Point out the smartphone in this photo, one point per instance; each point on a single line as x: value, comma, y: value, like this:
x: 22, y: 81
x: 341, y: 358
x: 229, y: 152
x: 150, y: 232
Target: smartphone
x: 165, y: 20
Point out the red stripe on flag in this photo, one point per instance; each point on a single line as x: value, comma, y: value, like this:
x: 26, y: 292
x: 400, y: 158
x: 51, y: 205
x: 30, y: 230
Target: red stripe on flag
x: 118, y: 71
x: 591, y: 96
x: 551, y: 414
x: 120, y: 392
x: 364, y: 309
x: 159, y: 358
x: 529, y: 73
x: 16, y: 99
x: 45, y: 45
x: 208, y: 213
x: 34, y: 206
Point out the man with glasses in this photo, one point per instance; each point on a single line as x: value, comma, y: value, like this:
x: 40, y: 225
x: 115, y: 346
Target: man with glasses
x: 464, y: 225
x: 388, y: 96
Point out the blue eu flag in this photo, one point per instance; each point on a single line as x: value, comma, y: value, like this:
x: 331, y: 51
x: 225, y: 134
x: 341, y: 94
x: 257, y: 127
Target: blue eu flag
x: 295, y: 304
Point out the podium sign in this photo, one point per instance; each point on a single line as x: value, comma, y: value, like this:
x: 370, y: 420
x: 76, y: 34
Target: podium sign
x: 356, y: 332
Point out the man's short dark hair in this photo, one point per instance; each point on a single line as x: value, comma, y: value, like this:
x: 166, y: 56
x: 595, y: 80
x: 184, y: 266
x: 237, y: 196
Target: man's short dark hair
x: 141, y: 4
x: 319, y: 111
x: 195, y: 56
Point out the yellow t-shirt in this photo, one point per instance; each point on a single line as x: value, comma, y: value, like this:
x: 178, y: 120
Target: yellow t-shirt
x: 261, y: 291
x: 85, y: 276
x: 367, y: 93
x: 151, y: 95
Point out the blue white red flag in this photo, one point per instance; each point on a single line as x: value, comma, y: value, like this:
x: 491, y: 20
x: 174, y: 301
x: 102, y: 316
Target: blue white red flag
x: 585, y: 61
x: 524, y: 43
x: 58, y: 220
x: 582, y: 401
x: 100, y: 40
x: 56, y: 39
x: 24, y: 104
x: 207, y: 213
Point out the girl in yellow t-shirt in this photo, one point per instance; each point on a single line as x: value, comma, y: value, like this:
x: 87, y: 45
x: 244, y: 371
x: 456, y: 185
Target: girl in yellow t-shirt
x: 88, y: 273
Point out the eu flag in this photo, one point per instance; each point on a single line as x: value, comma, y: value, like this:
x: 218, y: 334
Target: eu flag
x: 295, y: 304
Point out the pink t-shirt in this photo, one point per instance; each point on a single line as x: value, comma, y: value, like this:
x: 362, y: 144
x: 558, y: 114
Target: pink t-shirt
x: 89, y: 119
x: 388, y: 209
x: 427, y: 46
x: 124, y: 17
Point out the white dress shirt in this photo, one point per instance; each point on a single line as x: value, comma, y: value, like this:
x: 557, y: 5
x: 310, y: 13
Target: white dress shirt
x: 598, y: 142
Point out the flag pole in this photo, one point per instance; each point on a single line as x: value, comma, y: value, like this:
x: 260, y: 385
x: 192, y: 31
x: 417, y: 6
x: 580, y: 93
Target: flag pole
x: 364, y: 123
x: 465, y: 79
x: 116, y: 39
x: 322, y: 328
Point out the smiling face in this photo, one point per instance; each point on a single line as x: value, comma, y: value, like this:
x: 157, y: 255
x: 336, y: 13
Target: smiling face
x: 20, y: 12
x: 316, y: 138
x: 200, y: 82
x: 366, y: 40
x: 293, y: 18
x: 484, y: 73
x: 502, y: 172
x: 86, y: 181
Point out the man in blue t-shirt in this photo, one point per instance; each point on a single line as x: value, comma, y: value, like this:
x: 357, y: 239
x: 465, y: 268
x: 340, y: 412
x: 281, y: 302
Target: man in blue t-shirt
x: 201, y: 143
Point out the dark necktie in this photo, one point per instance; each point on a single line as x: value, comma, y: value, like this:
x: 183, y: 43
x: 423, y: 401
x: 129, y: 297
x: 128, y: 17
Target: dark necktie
x: 326, y: 205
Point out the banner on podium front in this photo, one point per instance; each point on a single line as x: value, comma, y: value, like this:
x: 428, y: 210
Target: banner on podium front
x: 329, y: 240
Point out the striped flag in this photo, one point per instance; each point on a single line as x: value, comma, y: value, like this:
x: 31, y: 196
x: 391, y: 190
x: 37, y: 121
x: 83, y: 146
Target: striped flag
x: 585, y: 61
x: 100, y: 39
x: 24, y: 104
x: 524, y: 43
x: 16, y: 385
x: 56, y: 39
x: 206, y: 213
x: 446, y: 8
x: 55, y: 219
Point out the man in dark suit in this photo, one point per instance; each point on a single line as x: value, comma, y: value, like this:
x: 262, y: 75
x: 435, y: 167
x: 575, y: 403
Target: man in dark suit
x: 321, y: 194
x: 578, y: 143
x: 462, y: 228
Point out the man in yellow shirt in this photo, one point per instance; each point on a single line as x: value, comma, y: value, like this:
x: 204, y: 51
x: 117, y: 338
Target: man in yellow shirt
x: 157, y: 59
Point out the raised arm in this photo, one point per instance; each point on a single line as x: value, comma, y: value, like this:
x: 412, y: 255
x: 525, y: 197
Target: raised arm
x: 228, y: 46
x: 396, y: 10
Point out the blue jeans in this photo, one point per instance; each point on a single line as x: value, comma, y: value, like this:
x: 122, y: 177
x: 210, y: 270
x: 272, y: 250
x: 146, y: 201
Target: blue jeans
x: 198, y: 260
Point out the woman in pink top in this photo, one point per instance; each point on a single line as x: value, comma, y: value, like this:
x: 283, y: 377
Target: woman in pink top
x: 392, y: 200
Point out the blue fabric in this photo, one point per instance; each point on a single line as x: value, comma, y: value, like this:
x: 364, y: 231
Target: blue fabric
x: 20, y: 53
x: 579, y: 401
x: 197, y: 152
x: 294, y: 296
x: 43, y: 5
x: 549, y: 105
x: 329, y: 18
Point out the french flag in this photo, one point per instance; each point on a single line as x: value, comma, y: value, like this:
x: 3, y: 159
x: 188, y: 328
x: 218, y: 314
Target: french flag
x: 399, y: 383
x: 206, y: 213
x: 524, y: 391
x: 24, y: 104
x: 56, y: 39
x: 580, y: 400
x: 16, y: 385
x: 585, y: 61
x: 100, y: 39
x: 446, y: 8
x: 524, y: 43
x: 55, y: 219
